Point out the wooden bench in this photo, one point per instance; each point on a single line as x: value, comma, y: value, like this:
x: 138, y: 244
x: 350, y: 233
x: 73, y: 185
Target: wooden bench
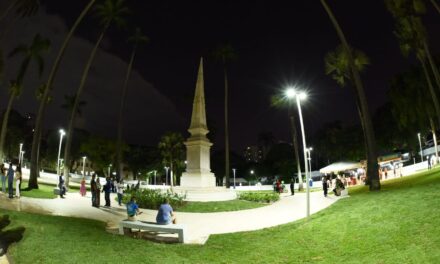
x: 170, y: 229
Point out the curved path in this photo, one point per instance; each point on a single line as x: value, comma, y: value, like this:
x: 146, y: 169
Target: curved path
x: 199, y: 225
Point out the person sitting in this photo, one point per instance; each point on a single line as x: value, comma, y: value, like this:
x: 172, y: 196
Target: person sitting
x: 132, y: 209
x: 165, y: 215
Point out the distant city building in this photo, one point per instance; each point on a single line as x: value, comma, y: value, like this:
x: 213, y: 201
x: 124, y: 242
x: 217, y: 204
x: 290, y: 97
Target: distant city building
x: 253, y: 154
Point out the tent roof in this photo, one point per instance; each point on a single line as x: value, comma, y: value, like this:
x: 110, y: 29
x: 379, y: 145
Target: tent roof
x: 341, y: 166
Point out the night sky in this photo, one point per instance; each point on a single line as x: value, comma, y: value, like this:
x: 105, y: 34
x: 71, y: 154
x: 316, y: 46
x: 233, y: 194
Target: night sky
x: 277, y: 42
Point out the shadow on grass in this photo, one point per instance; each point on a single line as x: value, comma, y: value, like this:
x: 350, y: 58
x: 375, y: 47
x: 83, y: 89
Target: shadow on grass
x: 9, y: 236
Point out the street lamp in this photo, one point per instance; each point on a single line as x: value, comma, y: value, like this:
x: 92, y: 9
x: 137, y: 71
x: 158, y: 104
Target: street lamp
x: 291, y: 93
x: 109, y: 168
x: 309, y: 158
x: 21, y: 157
x: 62, y: 133
x: 166, y: 174
x: 19, y: 154
x: 233, y: 172
x: 420, y: 144
x: 84, y: 165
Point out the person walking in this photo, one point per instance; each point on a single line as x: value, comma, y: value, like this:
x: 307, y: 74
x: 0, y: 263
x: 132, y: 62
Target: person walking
x: 11, y: 181
x: 107, y: 190
x: 82, y: 189
x: 120, y: 191
x: 17, y: 181
x: 292, y: 187
x: 3, y: 176
x: 324, y: 186
x: 93, y: 190
x: 428, y: 159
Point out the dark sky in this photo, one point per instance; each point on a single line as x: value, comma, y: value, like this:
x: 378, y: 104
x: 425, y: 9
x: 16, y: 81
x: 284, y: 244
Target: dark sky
x: 277, y: 42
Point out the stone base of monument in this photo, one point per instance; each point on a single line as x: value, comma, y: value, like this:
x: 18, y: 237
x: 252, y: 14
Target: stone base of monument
x: 206, y: 194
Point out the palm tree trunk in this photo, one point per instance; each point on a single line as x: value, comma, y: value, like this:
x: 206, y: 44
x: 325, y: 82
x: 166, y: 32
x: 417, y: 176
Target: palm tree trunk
x: 372, y: 166
x: 33, y: 183
x: 5, y: 125
x: 227, y: 165
x: 436, y: 5
x: 70, y: 130
x: 121, y: 111
x: 295, y: 145
x: 358, y: 107
x: 431, y: 89
x: 432, y: 64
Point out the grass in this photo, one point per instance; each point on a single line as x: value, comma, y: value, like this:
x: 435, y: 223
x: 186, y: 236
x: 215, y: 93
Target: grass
x: 399, y: 224
x: 223, y: 206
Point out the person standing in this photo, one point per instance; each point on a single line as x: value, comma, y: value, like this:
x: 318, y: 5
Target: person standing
x: 82, y: 189
x: 107, y: 190
x: 17, y: 181
x: 292, y: 187
x: 3, y: 176
x: 98, y: 192
x: 11, y: 181
x: 93, y: 190
x: 324, y: 186
x: 120, y: 191
x: 61, y: 186
x: 428, y: 159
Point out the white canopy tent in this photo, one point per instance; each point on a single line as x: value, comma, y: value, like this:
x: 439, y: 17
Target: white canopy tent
x: 341, y: 166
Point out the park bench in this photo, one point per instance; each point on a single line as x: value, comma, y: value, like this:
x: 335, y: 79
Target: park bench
x: 169, y: 229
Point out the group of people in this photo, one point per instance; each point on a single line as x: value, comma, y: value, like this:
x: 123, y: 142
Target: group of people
x: 165, y: 214
x: 12, y: 176
x: 326, y: 184
x: 278, y: 186
x: 96, y: 190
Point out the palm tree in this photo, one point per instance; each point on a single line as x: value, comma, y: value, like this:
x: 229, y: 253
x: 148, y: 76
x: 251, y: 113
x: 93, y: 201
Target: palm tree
x: 436, y: 5
x: 336, y: 65
x: 137, y: 38
x: 172, y: 150
x: 372, y: 166
x: 225, y: 54
x: 111, y: 11
x: 412, y: 37
x: 33, y: 52
x: 23, y: 8
x: 278, y: 101
x: 44, y: 92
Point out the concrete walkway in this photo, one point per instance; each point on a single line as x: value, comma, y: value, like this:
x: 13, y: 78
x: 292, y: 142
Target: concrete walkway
x: 199, y: 225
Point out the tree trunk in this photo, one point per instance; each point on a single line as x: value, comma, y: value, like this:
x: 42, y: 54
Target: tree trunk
x: 5, y: 126
x: 432, y: 64
x: 71, y: 128
x: 431, y: 89
x: 33, y: 183
x: 295, y: 145
x: 436, y: 5
x: 358, y: 107
x: 372, y: 166
x: 227, y: 165
x: 119, y: 153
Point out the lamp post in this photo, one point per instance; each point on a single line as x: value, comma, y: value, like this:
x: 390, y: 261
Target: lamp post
x: 233, y: 172
x: 166, y: 174
x: 19, y: 153
x: 420, y: 144
x: 109, y: 169
x: 21, y: 157
x: 302, y: 96
x: 84, y: 165
x: 309, y: 158
x: 62, y: 133
x: 155, y: 183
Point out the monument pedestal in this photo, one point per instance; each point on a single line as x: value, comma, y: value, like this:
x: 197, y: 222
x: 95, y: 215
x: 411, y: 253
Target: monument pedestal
x: 199, y: 180
x: 206, y: 194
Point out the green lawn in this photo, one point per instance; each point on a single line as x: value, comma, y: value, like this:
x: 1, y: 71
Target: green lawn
x: 223, y: 206
x: 399, y: 224
x: 44, y: 191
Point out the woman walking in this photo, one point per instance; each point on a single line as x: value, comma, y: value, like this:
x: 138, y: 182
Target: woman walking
x: 17, y: 181
x: 82, y: 189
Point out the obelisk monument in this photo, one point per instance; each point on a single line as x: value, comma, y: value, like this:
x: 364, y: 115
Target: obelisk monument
x: 198, y: 169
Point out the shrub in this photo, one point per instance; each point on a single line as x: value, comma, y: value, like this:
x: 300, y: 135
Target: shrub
x: 260, y: 197
x: 152, y: 199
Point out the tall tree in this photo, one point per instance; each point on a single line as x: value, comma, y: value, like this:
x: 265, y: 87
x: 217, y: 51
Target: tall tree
x: 225, y: 54
x: 30, y: 53
x: 110, y: 11
x: 281, y: 101
x: 412, y: 38
x: 172, y: 150
x: 137, y: 38
x: 44, y: 97
x: 436, y: 5
x: 372, y: 166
